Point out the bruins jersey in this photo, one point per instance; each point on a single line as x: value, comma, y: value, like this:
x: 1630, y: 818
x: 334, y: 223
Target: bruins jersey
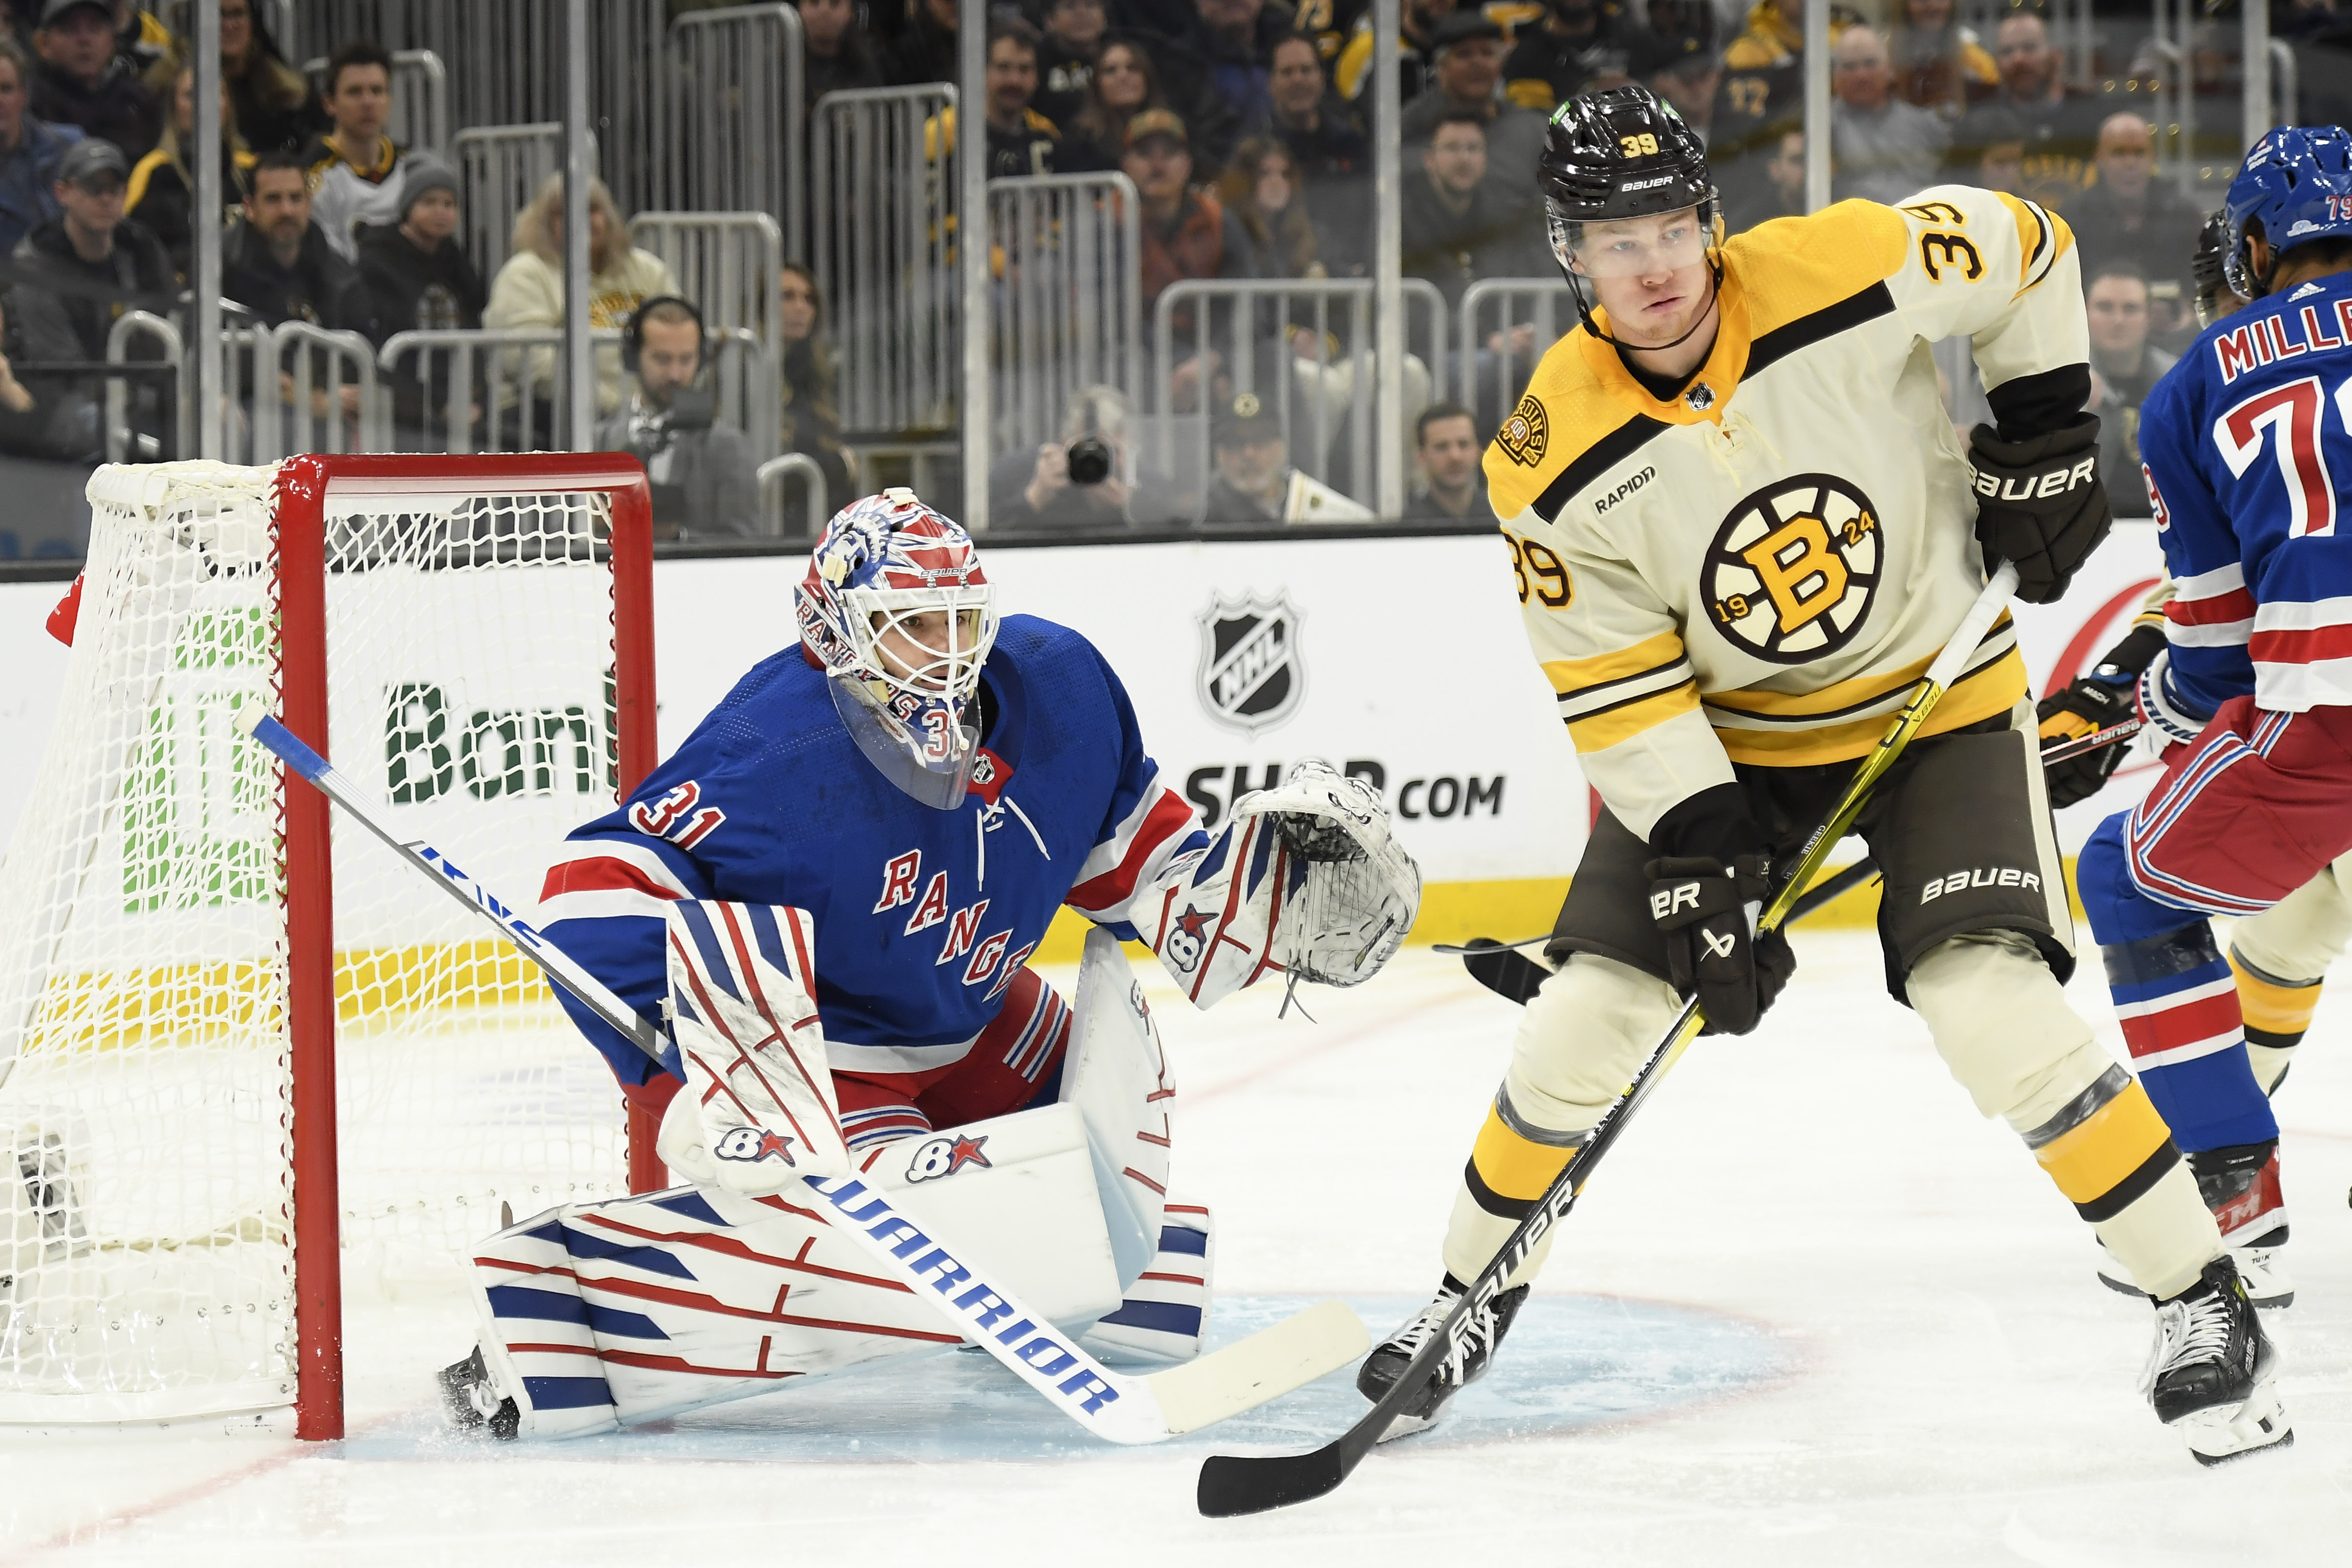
x: 1759, y: 571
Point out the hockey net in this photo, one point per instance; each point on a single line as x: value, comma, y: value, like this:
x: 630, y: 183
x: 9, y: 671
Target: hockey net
x: 469, y: 638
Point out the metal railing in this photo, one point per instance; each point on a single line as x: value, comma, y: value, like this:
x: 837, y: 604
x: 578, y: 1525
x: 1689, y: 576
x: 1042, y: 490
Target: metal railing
x: 882, y: 244
x: 1305, y: 346
x: 134, y: 325
x: 1504, y: 324
x: 420, y: 96
x: 1069, y: 310
x: 737, y: 144
x: 502, y: 167
x: 817, y: 507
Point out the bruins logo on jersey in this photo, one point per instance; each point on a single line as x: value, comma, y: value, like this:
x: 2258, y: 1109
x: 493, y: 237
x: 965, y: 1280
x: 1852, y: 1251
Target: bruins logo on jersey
x: 1792, y: 571
x: 1522, y: 434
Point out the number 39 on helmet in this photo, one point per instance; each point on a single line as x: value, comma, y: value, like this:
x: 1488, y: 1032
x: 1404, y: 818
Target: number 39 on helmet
x: 896, y: 610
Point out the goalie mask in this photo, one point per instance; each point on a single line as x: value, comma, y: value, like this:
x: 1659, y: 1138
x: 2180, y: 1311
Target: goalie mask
x: 896, y: 610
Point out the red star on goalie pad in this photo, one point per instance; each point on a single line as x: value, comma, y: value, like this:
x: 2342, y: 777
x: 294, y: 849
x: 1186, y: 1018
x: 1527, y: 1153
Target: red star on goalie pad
x: 966, y: 1151
x: 774, y: 1143
x: 1192, y: 922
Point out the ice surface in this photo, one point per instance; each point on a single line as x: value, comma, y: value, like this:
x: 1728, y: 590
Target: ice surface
x: 1811, y: 1311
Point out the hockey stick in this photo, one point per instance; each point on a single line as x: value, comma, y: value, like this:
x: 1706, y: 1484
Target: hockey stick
x: 1113, y: 1405
x: 1501, y: 968
x: 1235, y: 1484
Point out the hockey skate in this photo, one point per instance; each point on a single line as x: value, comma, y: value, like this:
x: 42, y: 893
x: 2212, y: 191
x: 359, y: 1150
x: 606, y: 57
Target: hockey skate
x: 472, y: 1402
x: 2241, y: 1186
x: 2213, y: 1373
x: 1387, y: 1361
x: 2260, y: 1268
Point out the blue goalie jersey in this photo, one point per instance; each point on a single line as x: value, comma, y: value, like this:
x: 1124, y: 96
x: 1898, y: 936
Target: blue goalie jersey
x: 2247, y: 450
x: 922, y: 917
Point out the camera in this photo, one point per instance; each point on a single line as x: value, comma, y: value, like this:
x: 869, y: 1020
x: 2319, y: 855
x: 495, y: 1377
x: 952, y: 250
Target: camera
x: 1090, y: 461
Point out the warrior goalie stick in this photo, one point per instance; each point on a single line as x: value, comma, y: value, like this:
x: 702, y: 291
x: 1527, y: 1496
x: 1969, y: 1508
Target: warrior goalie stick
x: 1117, y: 1406
x: 1236, y: 1484
x: 1510, y: 973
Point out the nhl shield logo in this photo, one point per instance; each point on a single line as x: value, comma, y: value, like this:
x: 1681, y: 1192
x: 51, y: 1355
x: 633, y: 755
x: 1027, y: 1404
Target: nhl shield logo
x: 1251, y: 674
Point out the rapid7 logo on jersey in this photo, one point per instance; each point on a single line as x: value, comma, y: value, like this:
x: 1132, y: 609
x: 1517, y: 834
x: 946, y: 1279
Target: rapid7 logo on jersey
x: 2291, y: 421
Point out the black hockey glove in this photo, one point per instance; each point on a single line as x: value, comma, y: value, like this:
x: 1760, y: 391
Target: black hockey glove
x: 2094, y: 702
x: 1706, y: 911
x: 2040, y: 503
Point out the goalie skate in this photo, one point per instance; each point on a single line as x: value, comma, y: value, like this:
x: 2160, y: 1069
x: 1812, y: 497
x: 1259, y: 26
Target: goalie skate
x: 1456, y: 1372
x: 471, y: 1400
x: 2213, y: 1373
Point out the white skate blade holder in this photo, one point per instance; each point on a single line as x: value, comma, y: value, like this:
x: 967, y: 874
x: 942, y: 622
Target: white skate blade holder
x: 2224, y: 1433
x: 1121, y: 1408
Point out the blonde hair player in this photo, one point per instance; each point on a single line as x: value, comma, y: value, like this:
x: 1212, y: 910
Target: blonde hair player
x: 1740, y: 525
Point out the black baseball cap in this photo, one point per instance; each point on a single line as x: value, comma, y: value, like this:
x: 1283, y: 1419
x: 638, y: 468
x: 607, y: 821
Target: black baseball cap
x: 56, y: 8
x: 90, y: 157
x: 1245, y: 419
x: 1460, y: 26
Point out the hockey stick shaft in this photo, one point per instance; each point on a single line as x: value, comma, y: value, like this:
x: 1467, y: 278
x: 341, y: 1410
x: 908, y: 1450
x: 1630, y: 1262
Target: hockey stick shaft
x: 1231, y: 1485
x: 1112, y: 1405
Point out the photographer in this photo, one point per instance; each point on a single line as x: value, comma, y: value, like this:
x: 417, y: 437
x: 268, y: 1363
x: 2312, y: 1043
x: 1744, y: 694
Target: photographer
x: 1088, y: 479
x: 704, y: 485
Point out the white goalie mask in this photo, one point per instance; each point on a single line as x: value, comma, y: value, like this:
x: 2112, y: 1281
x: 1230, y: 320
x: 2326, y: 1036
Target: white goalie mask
x: 896, y: 608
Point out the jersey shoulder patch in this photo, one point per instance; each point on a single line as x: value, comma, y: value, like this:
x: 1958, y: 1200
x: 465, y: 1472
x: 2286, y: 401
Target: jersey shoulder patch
x: 1567, y: 414
x: 1798, y: 267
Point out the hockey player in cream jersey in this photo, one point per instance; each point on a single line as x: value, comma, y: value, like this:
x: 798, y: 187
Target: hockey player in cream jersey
x: 1740, y: 526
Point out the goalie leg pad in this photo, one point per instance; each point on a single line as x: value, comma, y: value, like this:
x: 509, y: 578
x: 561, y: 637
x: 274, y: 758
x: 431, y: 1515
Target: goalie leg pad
x: 1166, y: 1312
x: 1118, y: 1081
x: 595, y: 1315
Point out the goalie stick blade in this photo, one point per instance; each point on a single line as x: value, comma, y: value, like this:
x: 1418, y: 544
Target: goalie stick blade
x: 1268, y: 1365
x: 1231, y: 1485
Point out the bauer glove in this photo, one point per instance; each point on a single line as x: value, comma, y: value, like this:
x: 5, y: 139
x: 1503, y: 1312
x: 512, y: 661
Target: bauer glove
x: 2040, y: 503
x: 1707, y: 913
x: 2096, y: 701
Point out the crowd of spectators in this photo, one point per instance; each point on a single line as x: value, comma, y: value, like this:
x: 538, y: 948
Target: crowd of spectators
x: 1246, y: 127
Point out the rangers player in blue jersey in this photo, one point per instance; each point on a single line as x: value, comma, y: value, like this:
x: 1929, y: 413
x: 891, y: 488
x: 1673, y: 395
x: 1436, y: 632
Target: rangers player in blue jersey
x: 2248, y: 451
x: 892, y: 811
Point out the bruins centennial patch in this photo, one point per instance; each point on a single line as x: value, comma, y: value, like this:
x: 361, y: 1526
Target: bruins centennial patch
x: 1522, y: 435
x: 1792, y: 570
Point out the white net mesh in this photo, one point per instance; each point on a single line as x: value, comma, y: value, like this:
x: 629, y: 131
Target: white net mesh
x: 145, y: 1215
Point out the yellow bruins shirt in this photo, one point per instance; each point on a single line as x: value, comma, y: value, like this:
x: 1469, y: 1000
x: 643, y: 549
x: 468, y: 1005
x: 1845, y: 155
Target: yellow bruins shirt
x: 1759, y: 571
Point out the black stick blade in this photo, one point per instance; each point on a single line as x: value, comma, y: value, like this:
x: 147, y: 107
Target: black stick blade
x: 1507, y: 972
x: 1231, y: 1486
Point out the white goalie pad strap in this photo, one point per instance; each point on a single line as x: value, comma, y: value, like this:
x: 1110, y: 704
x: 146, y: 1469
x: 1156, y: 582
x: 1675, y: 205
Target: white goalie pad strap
x: 1116, y: 1075
x: 1166, y: 1312
x: 746, y: 1023
x: 643, y: 1308
x: 1361, y: 891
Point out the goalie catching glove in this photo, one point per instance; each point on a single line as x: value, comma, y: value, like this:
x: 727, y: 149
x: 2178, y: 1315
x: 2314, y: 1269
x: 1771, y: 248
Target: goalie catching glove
x: 758, y: 1112
x: 1305, y: 879
x: 2040, y: 503
x: 1706, y: 911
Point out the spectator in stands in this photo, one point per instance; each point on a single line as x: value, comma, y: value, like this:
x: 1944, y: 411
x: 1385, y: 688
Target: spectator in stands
x: 529, y: 290
x: 1780, y: 193
x: 1065, y: 59
x: 1262, y: 188
x: 30, y: 152
x: 1240, y: 38
x: 1417, y: 28
x: 78, y: 273
x: 1938, y: 64
x: 2319, y: 32
x: 1020, y: 141
x: 2125, y: 364
x: 1252, y: 479
x: 1040, y: 490
x: 278, y: 263
x: 356, y: 169
x: 164, y: 183
x: 82, y: 81
x: 28, y: 422
x: 704, y: 482
x: 2061, y: 123
x: 1460, y: 227
x: 1682, y: 71
x: 415, y: 276
x: 926, y: 50
x: 1329, y: 148
x: 835, y: 54
x: 1186, y: 233
x: 1882, y: 149
x: 1455, y: 486
x: 276, y: 107
x: 1125, y: 84
x: 1989, y: 149
x: 2129, y: 214
x: 812, y: 390
x: 1550, y: 60
x: 1466, y: 67
x: 141, y: 37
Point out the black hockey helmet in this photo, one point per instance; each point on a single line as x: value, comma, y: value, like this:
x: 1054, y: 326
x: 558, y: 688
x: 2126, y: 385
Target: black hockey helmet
x: 1618, y: 153
x: 2206, y: 264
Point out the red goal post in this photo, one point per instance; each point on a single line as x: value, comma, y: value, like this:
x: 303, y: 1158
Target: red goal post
x: 242, y: 1049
